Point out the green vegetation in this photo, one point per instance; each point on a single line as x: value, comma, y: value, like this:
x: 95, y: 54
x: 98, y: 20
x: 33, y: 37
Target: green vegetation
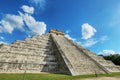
x: 50, y: 76
x: 114, y: 58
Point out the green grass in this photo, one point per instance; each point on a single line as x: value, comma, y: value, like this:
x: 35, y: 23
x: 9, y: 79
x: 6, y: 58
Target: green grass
x: 49, y: 76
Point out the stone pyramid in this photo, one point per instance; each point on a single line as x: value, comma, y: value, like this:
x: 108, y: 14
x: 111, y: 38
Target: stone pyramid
x: 54, y: 53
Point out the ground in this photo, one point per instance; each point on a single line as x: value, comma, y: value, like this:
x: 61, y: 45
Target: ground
x: 49, y: 76
x: 102, y: 78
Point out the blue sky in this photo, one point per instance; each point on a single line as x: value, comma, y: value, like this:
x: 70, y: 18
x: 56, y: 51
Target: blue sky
x: 94, y: 24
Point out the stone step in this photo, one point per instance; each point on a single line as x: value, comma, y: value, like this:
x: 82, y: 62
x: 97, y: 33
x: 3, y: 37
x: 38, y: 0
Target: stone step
x: 41, y: 63
x: 100, y: 60
x: 41, y: 36
x: 107, y: 63
x: 36, y: 51
x: 24, y: 45
x: 89, y: 53
x: 36, y: 40
x: 113, y: 68
x: 32, y: 43
x: 17, y: 67
x: 29, y: 47
x: 22, y: 58
x: 15, y: 47
x: 5, y: 46
x: 78, y: 60
x: 17, y: 60
x: 13, y: 53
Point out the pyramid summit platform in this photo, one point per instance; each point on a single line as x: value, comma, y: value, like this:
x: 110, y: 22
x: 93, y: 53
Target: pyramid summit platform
x: 54, y: 53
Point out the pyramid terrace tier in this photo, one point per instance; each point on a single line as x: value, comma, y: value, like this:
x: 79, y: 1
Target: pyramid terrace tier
x: 52, y: 52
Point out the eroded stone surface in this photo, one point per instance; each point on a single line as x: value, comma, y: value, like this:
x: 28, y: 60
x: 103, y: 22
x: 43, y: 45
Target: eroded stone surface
x: 52, y: 52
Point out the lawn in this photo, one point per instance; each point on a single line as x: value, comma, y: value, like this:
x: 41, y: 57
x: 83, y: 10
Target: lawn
x: 47, y: 76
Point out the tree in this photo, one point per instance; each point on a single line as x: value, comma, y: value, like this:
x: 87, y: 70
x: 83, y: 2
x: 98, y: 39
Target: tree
x: 114, y: 58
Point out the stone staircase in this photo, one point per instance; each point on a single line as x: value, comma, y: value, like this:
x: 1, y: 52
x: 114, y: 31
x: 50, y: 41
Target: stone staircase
x: 79, y: 63
x: 54, y: 53
x: 32, y: 54
x: 107, y: 64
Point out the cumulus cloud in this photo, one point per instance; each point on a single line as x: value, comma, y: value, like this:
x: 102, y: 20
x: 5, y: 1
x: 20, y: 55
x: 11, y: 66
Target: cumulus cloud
x: 10, y: 22
x: 89, y: 43
x: 87, y: 31
x: 36, y: 27
x: 107, y: 52
x: 69, y: 37
x: 5, y: 27
x: 84, y: 43
x: 15, y: 20
x: 28, y: 9
x: 92, y: 41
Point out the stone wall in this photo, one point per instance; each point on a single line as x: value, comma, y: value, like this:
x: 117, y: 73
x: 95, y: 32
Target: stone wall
x: 78, y: 62
x: 106, y: 65
x: 33, y: 54
x: 54, y: 53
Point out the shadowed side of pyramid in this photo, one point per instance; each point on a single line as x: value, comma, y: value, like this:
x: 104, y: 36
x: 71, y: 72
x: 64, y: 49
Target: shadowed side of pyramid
x: 54, y: 53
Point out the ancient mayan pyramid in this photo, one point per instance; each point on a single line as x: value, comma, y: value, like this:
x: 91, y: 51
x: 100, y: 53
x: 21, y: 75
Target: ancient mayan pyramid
x: 52, y: 52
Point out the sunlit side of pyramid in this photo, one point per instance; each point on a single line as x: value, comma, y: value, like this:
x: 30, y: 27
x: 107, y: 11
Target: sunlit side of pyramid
x: 52, y: 52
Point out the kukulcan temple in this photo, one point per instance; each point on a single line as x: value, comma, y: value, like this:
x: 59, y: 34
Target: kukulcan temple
x: 53, y: 53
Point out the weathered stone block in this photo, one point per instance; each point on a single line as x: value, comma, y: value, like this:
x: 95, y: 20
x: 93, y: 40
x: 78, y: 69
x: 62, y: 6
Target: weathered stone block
x: 51, y: 52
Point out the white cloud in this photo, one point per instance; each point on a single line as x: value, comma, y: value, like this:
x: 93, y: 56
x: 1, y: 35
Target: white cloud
x: 40, y: 4
x: 15, y: 21
x: 10, y: 22
x: 36, y: 27
x: 6, y: 27
x: 69, y: 37
x: 89, y: 43
x: 85, y: 43
x: 107, y: 52
x: 28, y: 9
x: 87, y: 31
